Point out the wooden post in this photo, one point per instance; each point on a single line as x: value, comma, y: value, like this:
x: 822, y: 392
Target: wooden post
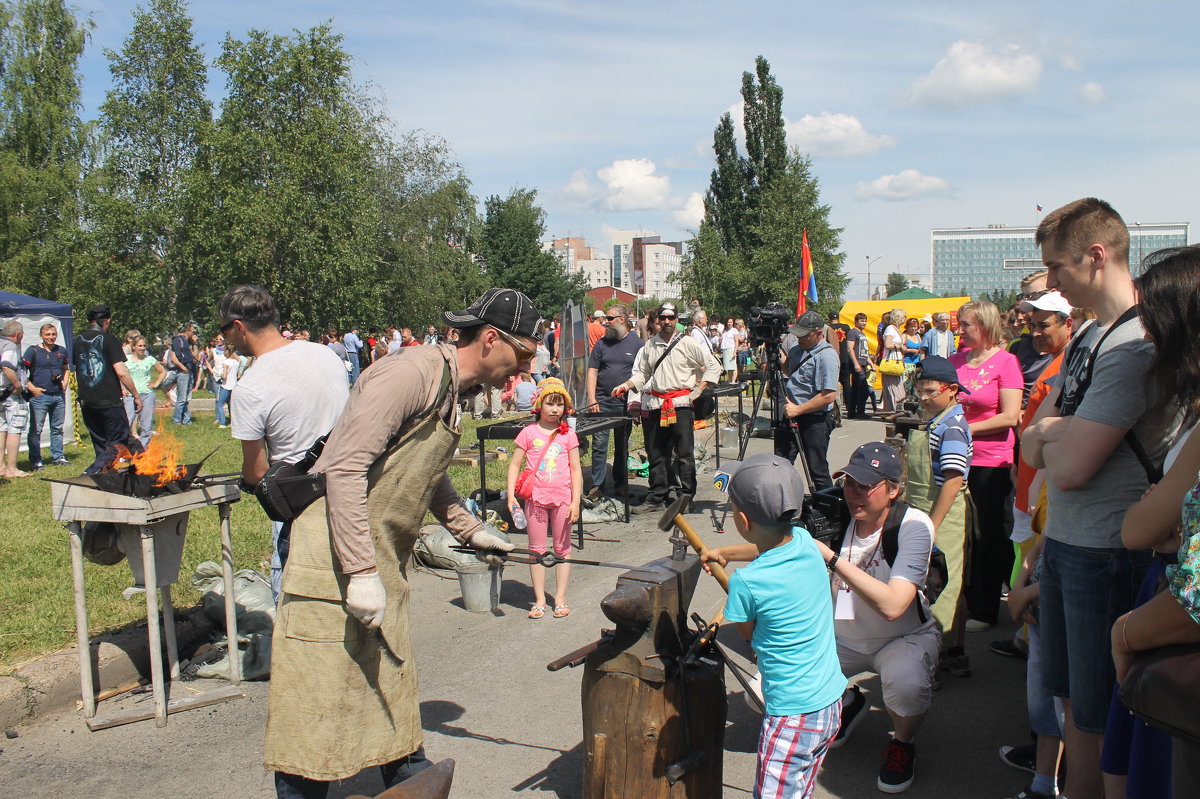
x: 235, y: 655
x: 150, y: 576
x: 87, y: 688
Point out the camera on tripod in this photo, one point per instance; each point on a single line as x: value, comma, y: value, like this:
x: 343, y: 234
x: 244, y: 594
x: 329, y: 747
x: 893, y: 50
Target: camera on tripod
x: 769, y: 323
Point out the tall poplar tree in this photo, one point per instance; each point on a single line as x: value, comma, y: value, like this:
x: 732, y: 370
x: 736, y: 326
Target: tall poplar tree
x: 43, y: 147
x: 153, y: 120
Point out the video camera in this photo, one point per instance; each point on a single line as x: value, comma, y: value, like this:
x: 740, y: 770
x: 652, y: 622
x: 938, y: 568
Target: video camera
x: 826, y: 516
x: 769, y: 323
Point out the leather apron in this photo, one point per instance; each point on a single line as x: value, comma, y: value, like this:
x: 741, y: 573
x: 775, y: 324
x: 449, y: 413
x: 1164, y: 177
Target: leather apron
x: 344, y: 698
x: 951, y: 534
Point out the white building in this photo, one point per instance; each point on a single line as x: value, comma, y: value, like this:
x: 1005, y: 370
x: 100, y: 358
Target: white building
x: 597, y: 270
x: 622, y: 263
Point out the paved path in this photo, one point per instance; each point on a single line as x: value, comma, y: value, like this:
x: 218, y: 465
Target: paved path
x: 514, y: 728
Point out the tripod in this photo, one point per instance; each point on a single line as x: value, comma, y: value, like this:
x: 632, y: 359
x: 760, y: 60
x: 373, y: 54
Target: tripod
x: 772, y: 377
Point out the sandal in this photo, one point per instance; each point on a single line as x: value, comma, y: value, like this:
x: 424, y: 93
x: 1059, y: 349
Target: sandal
x: 537, y: 611
x: 561, y: 611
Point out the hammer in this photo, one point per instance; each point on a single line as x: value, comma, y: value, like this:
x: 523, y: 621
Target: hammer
x: 673, y: 517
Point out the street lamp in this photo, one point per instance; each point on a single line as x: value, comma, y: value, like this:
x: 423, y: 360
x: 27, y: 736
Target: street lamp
x: 870, y: 261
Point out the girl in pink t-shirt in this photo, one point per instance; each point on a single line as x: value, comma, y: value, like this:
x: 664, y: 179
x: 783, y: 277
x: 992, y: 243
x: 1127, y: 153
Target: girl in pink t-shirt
x: 552, y: 450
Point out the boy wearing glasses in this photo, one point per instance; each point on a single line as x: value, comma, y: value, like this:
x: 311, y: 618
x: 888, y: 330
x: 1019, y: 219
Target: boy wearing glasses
x: 882, y: 620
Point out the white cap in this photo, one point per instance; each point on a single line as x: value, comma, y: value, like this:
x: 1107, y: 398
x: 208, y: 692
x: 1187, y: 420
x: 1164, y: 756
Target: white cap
x: 598, y: 314
x: 1050, y: 301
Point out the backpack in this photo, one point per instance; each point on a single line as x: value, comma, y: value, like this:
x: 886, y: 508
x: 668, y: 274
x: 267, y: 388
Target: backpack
x: 936, y: 576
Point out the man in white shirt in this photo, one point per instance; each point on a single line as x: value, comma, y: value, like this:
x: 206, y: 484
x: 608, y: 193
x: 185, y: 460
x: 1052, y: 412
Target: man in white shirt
x: 291, y: 396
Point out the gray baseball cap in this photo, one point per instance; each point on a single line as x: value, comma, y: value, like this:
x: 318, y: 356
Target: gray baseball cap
x: 767, y: 488
x: 806, y: 323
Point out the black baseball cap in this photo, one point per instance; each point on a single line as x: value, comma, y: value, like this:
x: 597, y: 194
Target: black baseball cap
x: 938, y: 368
x: 504, y: 309
x: 871, y: 463
x: 99, y: 312
x: 767, y: 488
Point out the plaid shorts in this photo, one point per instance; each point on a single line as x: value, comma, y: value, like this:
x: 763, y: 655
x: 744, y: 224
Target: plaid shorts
x: 790, y: 751
x: 16, y: 416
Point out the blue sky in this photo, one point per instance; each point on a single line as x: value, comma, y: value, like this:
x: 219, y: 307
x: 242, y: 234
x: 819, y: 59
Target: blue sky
x: 916, y: 115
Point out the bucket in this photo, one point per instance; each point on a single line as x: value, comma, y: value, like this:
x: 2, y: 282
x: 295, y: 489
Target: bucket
x: 480, y: 585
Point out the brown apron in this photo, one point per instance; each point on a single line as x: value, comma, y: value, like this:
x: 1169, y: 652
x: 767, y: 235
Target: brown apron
x: 344, y: 698
x: 951, y: 538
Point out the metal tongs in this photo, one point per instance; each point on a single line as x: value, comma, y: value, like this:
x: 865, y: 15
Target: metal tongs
x: 546, y: 559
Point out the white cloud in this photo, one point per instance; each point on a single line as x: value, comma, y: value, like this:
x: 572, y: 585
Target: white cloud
x: 835, y: 136
x: 1092, y: 93
x: 633, y: 185
x: 907, y: 185
x: 580, y: 184
x: 972, y: 73
x: 692, y: 211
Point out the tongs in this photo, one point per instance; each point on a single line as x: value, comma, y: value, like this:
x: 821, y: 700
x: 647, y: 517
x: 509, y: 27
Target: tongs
x: 547, y: 559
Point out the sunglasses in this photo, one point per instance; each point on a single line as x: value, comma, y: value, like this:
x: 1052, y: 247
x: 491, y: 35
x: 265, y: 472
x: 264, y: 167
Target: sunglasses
x: 225, y: 328
x: 618, y: 316
x: 665, y: 318
x: 850, y: 484
x: 522, y: 349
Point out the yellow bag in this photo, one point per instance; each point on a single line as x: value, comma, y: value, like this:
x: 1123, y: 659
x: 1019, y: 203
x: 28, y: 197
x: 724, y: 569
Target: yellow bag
x: 893, y: 367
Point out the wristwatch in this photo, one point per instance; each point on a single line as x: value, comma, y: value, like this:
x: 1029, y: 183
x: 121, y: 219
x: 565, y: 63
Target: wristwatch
x: 832, y: 562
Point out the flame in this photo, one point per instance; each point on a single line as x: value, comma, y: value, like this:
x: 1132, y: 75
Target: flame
x: 162, y: 458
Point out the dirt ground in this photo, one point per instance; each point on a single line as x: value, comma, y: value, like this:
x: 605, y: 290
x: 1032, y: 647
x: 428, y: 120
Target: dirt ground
x: 515, y: 729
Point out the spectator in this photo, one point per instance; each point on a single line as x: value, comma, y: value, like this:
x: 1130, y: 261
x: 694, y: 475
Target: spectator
x: 836, y: 336
x: 431, y: 335
x: 810, y: 394
x: 893, y: 350
x: 728, y: 349
x: 354, y: 348
x: 179, y: 361
x: 1081, y: 438
x: 12, y: 386
x: 333, y: 340
x: 670, y: 371
x: 992, y: 408
x: 47, y: 364
x: 541, y: 362
x: 230, y: 368
x: 147, y: 373
x: 939, y: 340
x: 101, y: 374
x: 595, y: 328
x: 407, y: 339
x: 289, y: 398
x: 861, y: 362
x: 698, y: 329
x: 611, y: 364
x: 523, y: 394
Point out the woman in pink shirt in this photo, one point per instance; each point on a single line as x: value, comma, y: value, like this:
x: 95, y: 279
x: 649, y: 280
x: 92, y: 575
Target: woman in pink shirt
x: 992, y: 410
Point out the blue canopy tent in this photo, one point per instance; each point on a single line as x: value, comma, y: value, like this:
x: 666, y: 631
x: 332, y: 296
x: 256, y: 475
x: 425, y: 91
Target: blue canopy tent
x: 32, y: 314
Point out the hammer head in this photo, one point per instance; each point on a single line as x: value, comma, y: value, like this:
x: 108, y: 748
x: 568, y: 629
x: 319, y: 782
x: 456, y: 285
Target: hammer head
x: 667, y: 520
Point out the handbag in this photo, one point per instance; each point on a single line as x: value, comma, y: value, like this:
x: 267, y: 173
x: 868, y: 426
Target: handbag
x: 891, y: 366
x: 1163, y: 687
x: 524, y: 485
x: 704, y: 405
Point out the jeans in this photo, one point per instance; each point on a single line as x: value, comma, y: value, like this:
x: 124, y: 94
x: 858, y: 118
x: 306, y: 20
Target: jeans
x: 293, y: 786
x: 223, y: 395
x: 672, y: 454
x: 620, y: 469
x: 1084, y: 590
x: 145, y: 419
x: 277, y: 560
x: 53, y: 406
x: 856, y: 400
x: 813, y: 431
x: 182, y: 381
x: 355, y: 367
x: 108, y: 427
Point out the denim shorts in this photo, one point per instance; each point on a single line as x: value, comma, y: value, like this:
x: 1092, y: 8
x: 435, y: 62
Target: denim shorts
x: 1084, y: 590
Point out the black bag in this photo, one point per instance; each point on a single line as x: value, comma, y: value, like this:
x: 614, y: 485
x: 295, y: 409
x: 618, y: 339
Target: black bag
x: 705, y: 405
x: 1163, y: 687
x: 288, y: 488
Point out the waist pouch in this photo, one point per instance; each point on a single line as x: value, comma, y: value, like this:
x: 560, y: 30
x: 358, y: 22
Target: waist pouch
x: 288, y: 488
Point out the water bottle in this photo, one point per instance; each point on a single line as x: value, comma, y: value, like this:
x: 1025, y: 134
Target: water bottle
x: 518, y: 517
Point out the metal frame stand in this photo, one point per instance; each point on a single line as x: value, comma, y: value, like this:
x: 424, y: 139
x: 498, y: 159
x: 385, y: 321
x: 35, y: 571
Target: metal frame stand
x: 155, y: 638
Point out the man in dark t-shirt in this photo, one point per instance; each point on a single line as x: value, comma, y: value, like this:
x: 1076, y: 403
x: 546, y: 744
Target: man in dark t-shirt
x: 100, y: 373
x: 837, y: 333
x: 610, y: 365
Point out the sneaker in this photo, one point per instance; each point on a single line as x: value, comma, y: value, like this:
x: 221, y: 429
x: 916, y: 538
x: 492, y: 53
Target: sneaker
x: 36, y: 467
x: 1030, y: 793
x: 899, y: 762
x: 956, y: 662
x: 852, y: 714
x: 60, y: 462
x: 1010, y: 649
x: 977, y: 626
x: 1022, y: 758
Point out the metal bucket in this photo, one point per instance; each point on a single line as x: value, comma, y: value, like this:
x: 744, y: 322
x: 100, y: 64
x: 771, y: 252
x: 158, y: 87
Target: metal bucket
x: 480, y: 585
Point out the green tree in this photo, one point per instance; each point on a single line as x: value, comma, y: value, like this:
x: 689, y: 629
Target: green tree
x: 154, y: 119
x: 289, y: 198
x: 747, y: 250
x: 44, y: 147
x: 512, y: 229
x: 896, y: 283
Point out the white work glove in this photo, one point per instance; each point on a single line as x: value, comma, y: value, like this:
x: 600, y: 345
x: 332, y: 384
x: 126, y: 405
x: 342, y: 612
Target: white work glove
x: 366, y: 599
x: 491, y: 548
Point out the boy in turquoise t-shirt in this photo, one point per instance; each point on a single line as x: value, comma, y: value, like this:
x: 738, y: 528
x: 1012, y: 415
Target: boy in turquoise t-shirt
x: 781, y: 603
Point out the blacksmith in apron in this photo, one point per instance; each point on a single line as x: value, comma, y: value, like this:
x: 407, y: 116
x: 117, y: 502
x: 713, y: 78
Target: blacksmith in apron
x: 939, y: 459
x: 343, y: 687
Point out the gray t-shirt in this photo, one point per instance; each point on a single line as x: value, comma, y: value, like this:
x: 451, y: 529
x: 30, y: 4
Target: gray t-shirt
x: 813, y: 371
x: 291, y: 397
x: 1091, y: 516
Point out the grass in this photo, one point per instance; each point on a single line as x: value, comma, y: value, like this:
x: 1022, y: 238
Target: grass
x: 36, y: 599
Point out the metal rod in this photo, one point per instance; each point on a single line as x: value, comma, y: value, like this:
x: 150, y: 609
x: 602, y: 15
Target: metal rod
x: 87, y: 688
x: 168, y: 614
x: 235, y: 655
x: 150, y: 576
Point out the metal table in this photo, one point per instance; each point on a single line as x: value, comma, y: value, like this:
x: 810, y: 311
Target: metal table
x: 727, y: 390
x: 586, y: 424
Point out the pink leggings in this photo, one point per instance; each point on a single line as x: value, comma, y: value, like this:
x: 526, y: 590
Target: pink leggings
x: 555, y: 519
